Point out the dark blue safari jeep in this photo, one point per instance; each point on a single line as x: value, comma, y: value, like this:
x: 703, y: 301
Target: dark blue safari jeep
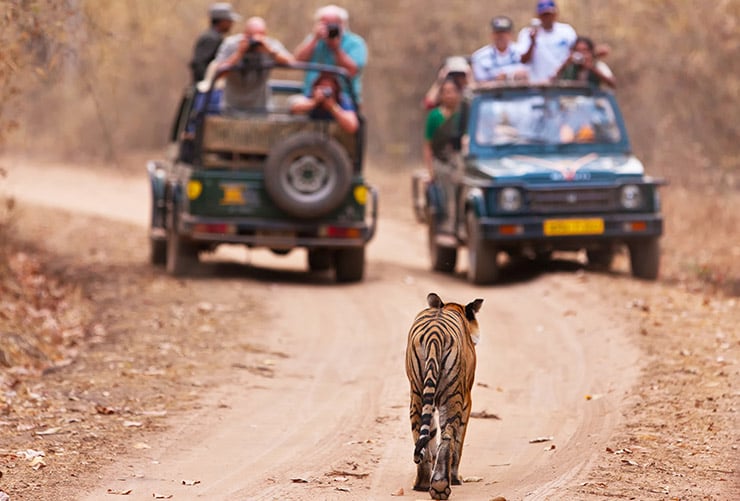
x: 537, y: 169
x: 262, y: 178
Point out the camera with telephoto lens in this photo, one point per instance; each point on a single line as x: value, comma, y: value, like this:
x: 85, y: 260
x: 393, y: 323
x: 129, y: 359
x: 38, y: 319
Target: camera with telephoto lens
x: 253, y: 44
x: 577, y: 58
x: 332, y: 30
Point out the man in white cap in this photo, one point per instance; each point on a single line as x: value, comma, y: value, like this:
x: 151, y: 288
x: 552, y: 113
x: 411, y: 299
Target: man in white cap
x: 546, y: 44
x: 499, y: 60
x: 222, y: 18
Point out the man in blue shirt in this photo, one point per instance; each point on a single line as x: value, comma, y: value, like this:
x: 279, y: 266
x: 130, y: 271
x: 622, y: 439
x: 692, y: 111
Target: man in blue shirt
x: 333, y: 43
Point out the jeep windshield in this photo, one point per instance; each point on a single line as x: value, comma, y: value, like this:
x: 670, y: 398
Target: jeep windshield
x: 536, y: 119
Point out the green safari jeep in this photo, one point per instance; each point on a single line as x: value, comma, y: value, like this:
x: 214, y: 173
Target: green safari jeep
x: 264, y: 178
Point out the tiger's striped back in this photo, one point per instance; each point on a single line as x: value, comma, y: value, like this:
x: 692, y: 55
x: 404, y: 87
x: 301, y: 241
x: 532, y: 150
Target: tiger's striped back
x: 440, y: 365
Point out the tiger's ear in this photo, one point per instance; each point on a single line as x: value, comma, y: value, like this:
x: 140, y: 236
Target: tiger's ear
x: 434, y: 301
x: 472, y: 308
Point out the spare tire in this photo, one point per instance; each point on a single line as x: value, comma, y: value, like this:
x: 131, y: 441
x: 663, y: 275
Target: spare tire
x: 308, y: 175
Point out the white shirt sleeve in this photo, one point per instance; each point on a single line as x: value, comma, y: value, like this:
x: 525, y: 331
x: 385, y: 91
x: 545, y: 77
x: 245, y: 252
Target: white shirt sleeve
x: 523, y: 41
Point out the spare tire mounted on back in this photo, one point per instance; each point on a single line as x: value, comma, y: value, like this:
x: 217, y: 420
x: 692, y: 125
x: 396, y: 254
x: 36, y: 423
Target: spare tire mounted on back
x: 308, y: 175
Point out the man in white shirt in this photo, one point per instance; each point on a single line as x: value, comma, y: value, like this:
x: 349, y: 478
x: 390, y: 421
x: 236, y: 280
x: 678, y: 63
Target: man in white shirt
x: 546, y: 44
x: 499, y: 60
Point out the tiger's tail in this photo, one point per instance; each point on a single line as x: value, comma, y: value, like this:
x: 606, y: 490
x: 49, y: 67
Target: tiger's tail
x: 431, y: 374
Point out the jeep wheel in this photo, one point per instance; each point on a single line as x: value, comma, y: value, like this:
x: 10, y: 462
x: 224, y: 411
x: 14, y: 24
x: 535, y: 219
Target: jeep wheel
x: 319, y: 259
x: 482, y: 264
x: 182, y: 256
x: 645, y: 258
x: 600, y: 259
x: 349, y: 264
x: 443, y: 258
x: 157, y: 251
x: 308, y: 175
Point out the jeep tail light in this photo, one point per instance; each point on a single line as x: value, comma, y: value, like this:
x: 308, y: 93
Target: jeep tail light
x: 340, y: 232
x: 219, y: 228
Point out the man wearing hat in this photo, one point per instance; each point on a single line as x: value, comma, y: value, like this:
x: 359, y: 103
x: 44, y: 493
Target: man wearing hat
x: 546, y: 44
x: 222, y: 19
x: 499, y: 60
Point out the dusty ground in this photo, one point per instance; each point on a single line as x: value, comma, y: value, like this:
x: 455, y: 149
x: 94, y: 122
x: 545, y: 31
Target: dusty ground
x: 259, y: 381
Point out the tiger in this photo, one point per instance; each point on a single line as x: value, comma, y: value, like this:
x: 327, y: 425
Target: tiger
x: 440, y: 366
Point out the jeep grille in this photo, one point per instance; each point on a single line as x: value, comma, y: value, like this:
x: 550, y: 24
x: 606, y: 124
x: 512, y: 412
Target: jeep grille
x: 572, y: 200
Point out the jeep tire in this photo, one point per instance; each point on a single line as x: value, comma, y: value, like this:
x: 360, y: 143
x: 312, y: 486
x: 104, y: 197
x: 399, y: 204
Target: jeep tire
x: 645, y: 258
x: 443, y: 258
x: 308, y: 175
x: 182, y: 255
x: 482, y: 255
x: 349, y: 264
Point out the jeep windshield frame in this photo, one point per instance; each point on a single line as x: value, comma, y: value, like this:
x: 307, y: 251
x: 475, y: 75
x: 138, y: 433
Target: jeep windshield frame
x: 545, y: 119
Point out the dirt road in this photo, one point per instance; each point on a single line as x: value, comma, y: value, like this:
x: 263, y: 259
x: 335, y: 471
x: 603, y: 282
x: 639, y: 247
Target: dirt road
x: 321, y: 410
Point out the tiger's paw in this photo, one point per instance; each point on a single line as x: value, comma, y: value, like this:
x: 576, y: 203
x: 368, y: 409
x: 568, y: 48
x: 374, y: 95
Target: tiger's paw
x: 440, y: 489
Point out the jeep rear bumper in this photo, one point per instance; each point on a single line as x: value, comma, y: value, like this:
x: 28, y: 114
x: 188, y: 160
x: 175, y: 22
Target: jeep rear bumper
x: 283, y: 234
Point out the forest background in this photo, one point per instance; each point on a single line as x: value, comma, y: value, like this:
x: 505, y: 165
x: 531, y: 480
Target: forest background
x: 98, y: 79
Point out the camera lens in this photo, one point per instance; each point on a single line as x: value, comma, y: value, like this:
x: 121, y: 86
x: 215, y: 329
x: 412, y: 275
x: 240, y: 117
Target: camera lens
x: 332, y: 30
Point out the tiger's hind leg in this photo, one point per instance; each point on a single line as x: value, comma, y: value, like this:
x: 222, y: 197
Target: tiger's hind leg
x: 460, y: 441
x: 424, y: 458
x: 426, y: 461
x: 440, y: 486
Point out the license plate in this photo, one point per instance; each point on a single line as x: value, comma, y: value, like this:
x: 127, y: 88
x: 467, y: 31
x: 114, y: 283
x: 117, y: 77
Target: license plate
x: 277, y: 234
x: 558, y: 227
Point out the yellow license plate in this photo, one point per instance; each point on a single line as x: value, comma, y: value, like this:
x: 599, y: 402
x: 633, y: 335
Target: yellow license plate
x: 557, y: 227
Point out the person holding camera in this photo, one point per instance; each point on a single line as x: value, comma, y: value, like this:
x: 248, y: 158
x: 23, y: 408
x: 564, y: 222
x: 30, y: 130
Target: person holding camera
x: 583, y: 66
x: 332, y: 42
x: 326, y: 101
x: 546, y: 43
x: 499, y: 60
x: 246, y: 89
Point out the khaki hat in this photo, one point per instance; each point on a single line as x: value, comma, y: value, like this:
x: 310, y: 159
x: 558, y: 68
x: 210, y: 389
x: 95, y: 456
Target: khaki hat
x: 223, y: 11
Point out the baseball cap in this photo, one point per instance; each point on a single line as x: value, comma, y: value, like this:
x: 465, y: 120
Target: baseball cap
x: 223, y: 11
x: 501, y: 23
x: 544, y: 6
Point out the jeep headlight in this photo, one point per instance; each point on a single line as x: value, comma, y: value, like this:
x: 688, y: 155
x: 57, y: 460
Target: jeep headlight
x: 630, y: 196
x: 510, y: 199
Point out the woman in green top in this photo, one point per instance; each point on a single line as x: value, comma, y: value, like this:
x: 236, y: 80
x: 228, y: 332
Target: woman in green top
x: 583, y: 66
x: 450, y: 96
